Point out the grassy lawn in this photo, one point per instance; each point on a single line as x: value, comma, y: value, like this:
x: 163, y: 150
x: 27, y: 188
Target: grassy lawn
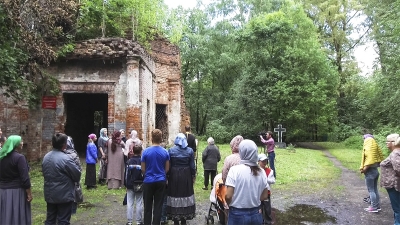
x: 350, y: 158
x: 303, y: 167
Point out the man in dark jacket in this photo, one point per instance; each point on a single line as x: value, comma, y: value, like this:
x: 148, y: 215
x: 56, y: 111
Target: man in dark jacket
x: 60, y: 173
x: 191, y: 139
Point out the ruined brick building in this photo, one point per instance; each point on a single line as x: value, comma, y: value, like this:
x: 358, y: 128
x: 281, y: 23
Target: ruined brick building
x: 112, y: 83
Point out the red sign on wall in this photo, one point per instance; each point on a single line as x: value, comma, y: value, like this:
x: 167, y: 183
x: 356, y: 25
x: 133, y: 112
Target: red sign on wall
x: 49, y: 102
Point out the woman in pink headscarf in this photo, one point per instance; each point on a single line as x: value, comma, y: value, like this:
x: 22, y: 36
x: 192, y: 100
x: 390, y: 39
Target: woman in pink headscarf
x: 91, y: 160
x: 233, y: 159
x: 115, y: 159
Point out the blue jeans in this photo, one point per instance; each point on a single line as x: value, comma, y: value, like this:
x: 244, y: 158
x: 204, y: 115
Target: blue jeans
x: 271, y: 161
x: 131, y: 197
x: 371, y: 180
x: 250, y: 216
x: 394, y: 197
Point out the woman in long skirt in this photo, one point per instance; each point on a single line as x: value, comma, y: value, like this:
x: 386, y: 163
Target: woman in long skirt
x: 180, y: 198
x: 91, y: 159
x: 116, y: 164
x: 15, y: 184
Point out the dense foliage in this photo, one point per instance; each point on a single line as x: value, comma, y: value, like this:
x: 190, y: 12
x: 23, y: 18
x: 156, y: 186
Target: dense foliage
x: 247, y: 65
x: 35, y: 33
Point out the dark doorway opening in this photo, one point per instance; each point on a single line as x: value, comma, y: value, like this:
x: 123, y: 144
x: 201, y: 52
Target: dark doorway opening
x: 162, y: 121
x: 86, y: 114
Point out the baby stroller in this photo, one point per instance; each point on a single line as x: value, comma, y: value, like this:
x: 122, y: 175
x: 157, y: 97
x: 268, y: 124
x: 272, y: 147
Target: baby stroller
x: 217, y: 199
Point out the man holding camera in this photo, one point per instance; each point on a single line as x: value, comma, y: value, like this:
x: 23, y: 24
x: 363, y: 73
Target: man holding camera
x: 270, y: 149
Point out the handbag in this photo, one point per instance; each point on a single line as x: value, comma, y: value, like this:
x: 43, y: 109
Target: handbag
x: 78, y: 193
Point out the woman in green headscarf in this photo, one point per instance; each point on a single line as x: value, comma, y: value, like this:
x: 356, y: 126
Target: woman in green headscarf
x: 15, y: 184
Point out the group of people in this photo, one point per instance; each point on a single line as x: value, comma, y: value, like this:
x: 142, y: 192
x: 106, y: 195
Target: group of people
x: 247, y: 178
x: 372, y: 159
x: 61, y: 171
x: 161, y: 181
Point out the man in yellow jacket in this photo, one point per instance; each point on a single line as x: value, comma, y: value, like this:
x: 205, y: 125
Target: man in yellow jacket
x: 371, y: 157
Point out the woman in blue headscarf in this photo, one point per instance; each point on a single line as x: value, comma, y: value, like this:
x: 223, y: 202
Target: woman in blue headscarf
x: 15, y: 184
x: 182, y: 175
x: 102, y: 155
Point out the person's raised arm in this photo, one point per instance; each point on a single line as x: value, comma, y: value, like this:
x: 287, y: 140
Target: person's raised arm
x: 263, y: 140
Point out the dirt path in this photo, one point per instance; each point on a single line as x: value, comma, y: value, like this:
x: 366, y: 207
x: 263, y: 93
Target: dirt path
x: 345, y: 207
x: 324, y: 207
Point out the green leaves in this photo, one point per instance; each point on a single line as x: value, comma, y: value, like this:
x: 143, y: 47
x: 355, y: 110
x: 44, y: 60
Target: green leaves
x: 117, y: 18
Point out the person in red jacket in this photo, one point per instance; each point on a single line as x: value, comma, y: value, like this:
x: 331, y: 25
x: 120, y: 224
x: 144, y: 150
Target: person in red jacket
x: 266, y: 205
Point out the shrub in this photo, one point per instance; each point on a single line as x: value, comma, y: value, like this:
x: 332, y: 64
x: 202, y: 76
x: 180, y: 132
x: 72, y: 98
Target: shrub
x: 219, y: 132
x: 343, y: 131
x: 354, y: 142
x: 291, y: 148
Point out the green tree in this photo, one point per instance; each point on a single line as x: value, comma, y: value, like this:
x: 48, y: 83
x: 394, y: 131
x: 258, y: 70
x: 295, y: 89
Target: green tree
x: 287, y: 80
x: 30, y: 33
x: 337, y: 21
x: 139, y: 19
x: 385, y: 24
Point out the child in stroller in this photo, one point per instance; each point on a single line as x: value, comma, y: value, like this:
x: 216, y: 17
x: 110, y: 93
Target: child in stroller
x: 218, y: 204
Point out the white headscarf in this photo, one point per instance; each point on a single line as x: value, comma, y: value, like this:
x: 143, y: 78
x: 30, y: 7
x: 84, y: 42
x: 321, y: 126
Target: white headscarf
x: 134, y: 136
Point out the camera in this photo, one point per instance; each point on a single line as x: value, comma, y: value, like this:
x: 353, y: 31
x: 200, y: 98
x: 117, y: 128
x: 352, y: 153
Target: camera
x: 263, y: 134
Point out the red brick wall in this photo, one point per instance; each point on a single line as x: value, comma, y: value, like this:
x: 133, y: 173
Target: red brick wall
x: 168, y: 79
x: 159, y: 85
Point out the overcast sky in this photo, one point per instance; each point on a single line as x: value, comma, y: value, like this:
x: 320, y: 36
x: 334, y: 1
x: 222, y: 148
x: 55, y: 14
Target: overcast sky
x: 184, y: 3
x: 365, y: 55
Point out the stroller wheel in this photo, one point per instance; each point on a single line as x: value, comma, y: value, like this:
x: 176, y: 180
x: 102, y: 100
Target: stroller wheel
x: 207, y: 219
x: 212, y: 220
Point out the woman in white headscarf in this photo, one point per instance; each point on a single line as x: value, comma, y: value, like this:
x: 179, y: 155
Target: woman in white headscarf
x: 246, y: 187
x: 182, y: 174
x: 133, y: 139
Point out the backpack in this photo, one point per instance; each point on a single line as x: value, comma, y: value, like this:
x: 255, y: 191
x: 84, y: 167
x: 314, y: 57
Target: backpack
x: 133, y: 174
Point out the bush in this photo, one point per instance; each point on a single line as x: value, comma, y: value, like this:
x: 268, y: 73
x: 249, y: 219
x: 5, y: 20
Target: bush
x: 343, y: 131
x: 354, y: 142
x: 219, y: 132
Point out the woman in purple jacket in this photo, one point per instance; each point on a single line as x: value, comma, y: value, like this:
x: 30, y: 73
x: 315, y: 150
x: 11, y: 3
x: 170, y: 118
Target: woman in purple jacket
x: 91, y: 159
